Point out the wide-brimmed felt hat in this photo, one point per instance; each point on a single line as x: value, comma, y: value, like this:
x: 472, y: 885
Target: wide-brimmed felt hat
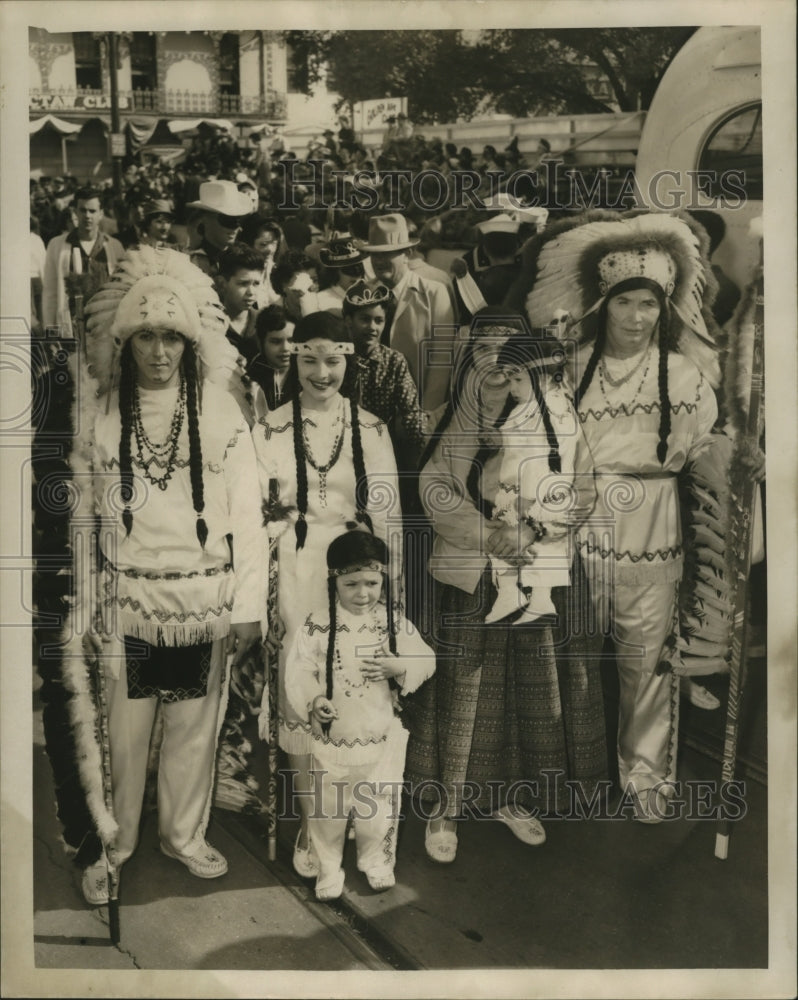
x: 222, y: 197
x: 341, y: 253
x: 157, y: 206
x: 387, y: 233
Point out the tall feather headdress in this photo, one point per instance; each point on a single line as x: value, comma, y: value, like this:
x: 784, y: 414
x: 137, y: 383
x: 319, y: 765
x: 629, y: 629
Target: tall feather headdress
x: 573, y: 276
x: 156, y: 287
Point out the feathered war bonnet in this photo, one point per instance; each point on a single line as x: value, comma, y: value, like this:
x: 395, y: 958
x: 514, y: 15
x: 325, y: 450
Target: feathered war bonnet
x: 577, y: 270
x: 157, y: 288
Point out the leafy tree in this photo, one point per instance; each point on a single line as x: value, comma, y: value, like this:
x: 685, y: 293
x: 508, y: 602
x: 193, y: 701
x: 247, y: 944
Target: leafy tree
x: 514, y: 71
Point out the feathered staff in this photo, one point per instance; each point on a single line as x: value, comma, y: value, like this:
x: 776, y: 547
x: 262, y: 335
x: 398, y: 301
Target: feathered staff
x: 745, y: 373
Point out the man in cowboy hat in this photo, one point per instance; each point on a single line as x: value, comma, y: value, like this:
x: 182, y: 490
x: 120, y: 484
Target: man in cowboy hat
x: 423, y: 309
x: 222, y: 208
x: 346, y: 263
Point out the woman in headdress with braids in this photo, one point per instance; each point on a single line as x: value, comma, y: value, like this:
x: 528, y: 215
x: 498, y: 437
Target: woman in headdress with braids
x: 323, y: 462
x: 643, y: 371
x: 501, y: 710
x: 172, y: 468
x: 346, y: 667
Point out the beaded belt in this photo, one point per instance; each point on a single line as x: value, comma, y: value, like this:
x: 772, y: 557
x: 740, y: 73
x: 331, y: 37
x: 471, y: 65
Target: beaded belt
x: 150, y: 575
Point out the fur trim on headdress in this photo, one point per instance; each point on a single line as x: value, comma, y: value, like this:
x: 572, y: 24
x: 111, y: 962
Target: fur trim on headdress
x: 109, y: 314
x: 530, y: 252
x: 568, y: 277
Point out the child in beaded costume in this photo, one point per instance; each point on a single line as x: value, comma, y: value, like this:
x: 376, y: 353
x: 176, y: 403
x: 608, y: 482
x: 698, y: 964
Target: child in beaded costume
x: 345, y: 668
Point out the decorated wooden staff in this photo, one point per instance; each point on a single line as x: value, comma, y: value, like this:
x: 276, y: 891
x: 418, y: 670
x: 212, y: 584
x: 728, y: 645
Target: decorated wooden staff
x: 96, y: 663
x: 275, y: 519
x: 746, y: 367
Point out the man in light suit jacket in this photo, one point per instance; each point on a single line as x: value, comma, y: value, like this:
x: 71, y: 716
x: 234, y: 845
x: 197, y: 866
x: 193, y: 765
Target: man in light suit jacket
x: 423, y: 325
x: 84, y: 251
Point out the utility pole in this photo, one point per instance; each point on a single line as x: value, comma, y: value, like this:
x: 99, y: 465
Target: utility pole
x: 117, y: 143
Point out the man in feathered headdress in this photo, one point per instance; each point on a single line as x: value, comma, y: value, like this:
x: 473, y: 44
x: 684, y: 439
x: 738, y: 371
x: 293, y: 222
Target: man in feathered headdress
x: 164, y: 457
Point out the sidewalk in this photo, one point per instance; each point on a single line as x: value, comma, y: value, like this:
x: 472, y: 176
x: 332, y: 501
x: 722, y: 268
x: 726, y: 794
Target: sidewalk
x: 256, y: 917
x: 600, y: 894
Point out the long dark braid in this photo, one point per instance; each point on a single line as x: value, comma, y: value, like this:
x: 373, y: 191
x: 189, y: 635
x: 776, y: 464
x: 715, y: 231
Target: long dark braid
x: 328, y: 671
x: 361, y: 477
x: 390, y: 614
x: 593, y: 360
x: 194, y: 443
x: 662, y: 382
x: 301, y: 526
x: 127, y: 389
x: 555, y: 464
x: 485, y: 452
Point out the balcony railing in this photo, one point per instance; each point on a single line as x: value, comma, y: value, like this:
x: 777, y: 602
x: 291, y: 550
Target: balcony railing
x: 272, y: 105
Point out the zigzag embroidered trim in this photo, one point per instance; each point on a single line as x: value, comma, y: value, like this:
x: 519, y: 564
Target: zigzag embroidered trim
x: 291, y: 726
x: 349, y: 744
x: 270, y: 429
x: 234, y: 439
x: 670, y: 553
x: 374, y: 627
x: 387, y: 844
x: 136, y: 575
x: 585, y: 415
x: 179, y: 617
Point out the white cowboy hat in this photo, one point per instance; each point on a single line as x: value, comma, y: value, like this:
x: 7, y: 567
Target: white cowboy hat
x: 222, y: 197
x: 499, y: 224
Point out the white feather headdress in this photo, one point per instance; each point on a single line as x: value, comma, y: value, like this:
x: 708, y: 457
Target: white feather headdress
x: 569, y: 279
x: 157, y: 287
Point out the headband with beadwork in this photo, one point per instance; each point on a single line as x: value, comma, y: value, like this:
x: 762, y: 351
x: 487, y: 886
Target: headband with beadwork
x: 323, y: 347
x: 643, y: 262
x: 372, y: 565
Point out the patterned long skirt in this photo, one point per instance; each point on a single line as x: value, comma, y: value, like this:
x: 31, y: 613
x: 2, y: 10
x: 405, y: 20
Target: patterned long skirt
x: 513, y: 712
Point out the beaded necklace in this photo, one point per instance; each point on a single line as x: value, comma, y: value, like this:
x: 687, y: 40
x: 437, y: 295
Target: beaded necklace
x: 341, y: 677
x: 159, y: 451
x: 602, y: 372
x: 335, y: 454
x: 616, y: 383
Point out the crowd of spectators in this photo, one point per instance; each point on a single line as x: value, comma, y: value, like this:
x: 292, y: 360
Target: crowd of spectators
x: 287, y: 187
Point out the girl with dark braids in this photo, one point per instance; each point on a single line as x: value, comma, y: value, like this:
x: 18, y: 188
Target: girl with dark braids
x: 500, y: 711
x: 346, y: 666
x: 174, y: 478
x: 643, y: 372
x: 331, y: 463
